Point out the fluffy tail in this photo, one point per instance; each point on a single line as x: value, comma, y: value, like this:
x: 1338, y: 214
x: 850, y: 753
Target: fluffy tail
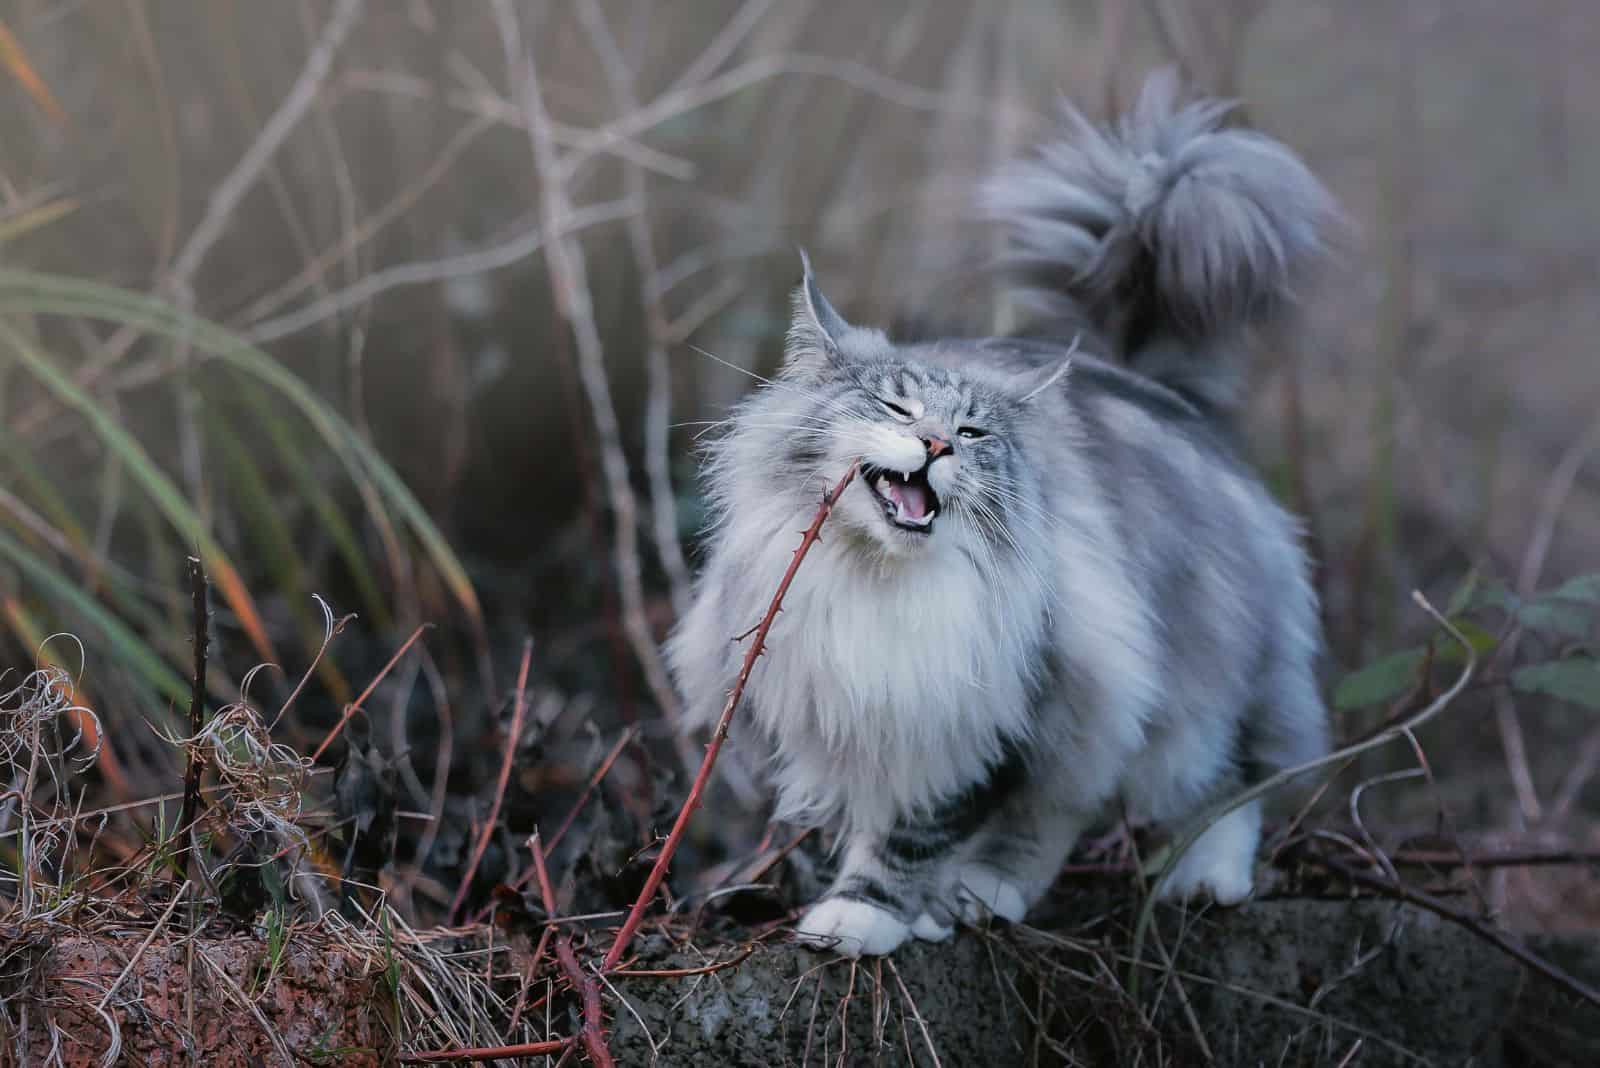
x: 1171, y: 235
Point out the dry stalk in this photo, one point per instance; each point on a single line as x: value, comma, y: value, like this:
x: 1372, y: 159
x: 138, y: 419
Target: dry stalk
x: 487, y: 1053
x: 592, y: 1035
x: 528, y: 240
x: 355, y: 706
x: 197, y: 706
x: 577, y: 806
x: 636, y: 915
x: 1551, y: 504
x: 658, y: 372
x: 239, y: 181
x: 1478, y: 926
x: 569, y: 279
x: 519, y: 709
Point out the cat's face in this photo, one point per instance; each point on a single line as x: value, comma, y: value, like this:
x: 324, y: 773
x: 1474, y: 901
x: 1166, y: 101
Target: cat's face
x: 940, y: 442
x: 936, y: 451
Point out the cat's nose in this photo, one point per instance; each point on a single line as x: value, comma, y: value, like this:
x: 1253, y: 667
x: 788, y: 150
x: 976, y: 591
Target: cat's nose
x: 936, y: 445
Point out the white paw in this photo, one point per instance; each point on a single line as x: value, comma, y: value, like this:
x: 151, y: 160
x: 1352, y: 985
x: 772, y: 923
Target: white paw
x: 980, y: 893
x: 931, y: 930
x: 1226, y: 881
x: 1221, y: 862
x: 854, y: 928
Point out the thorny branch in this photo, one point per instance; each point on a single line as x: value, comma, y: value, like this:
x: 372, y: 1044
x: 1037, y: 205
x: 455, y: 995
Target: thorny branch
x: 197, y: 705
x: 720, y: 735
x: 592, y: 1035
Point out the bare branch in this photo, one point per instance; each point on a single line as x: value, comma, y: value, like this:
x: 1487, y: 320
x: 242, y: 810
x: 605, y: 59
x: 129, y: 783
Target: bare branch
x: 421, y: 272
x: 569, y: 278
x: 225, y: 199
x: 658, y: 372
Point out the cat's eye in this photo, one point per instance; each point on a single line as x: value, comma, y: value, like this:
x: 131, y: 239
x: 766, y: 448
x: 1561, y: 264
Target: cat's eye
x: 971, y: 433
x: 894, y: 409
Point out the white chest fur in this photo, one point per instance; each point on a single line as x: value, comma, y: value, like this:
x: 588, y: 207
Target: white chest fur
x: 889, y: 684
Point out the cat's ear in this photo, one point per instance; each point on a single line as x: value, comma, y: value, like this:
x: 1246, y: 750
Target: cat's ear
x: 815, y: 328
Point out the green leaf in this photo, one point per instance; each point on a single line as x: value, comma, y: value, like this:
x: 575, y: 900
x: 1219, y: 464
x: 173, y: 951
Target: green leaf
x: 1449, y: 651
x: 125, y: 645
x: 1568, y: 610
x: 1395, y: 674
x: 1582, y: 588
x: 1572, y: 619
x: 1576, y: 680
x: 1382, y: 680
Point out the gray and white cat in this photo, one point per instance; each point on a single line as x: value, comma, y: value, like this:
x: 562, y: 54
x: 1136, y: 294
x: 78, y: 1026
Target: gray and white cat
x: 1055, y: 583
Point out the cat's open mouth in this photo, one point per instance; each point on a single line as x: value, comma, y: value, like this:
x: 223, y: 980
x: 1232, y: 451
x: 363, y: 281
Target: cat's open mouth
x: 908, y: 501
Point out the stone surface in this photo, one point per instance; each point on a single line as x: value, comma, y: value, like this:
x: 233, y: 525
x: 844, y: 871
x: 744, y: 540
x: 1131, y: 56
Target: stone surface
x: 1289, y: 982
x: 1276, y: 982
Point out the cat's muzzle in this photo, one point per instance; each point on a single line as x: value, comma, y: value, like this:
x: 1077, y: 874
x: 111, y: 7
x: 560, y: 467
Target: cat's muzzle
x: 908, y: 501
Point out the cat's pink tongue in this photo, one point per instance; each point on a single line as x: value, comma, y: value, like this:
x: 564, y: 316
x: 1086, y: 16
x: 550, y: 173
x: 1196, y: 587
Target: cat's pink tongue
x: 912, y: 498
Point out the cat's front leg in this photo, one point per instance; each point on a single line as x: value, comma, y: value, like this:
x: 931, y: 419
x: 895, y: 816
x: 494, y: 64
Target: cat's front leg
x: 869, y: 908
x: 890, y: 882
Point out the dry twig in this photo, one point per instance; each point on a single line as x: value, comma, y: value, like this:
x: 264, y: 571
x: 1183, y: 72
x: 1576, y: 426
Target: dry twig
x: 519, y: 708
x: 592, y: 1035
x: 197, y: 707
x: 569, y: 279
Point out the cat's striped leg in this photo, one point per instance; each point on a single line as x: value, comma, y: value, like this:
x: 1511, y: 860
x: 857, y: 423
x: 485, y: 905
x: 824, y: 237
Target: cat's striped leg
x: 889, y: 881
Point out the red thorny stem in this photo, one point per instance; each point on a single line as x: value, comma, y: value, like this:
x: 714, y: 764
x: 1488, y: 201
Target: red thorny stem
x: 657, y: 873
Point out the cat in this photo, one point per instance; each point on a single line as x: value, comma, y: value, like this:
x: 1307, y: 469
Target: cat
x: 1055, y: 583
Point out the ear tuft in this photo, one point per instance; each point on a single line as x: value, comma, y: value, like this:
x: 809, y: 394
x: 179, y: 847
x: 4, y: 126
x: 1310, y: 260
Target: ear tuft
x: 815, y: 328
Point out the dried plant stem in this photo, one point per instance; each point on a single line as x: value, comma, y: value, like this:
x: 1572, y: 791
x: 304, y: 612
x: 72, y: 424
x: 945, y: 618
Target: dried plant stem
x: 1551, y: 503
x: 1478, y: 926
x: 239, y: 181
x: 658, y: 371
x: 577, y: 806
x: 720, y: 735
x: 197, y: 713
x: 355, y: 706
x: 422, y: 272
x: 519, y: 709
x: 569, y: 279
x: 487, y: 1053
x: 591, y: 1034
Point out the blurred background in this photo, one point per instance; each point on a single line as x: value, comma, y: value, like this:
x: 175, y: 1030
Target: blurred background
x: 420, y: 307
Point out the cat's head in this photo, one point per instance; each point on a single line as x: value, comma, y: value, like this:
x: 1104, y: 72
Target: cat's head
x: 940, y: 430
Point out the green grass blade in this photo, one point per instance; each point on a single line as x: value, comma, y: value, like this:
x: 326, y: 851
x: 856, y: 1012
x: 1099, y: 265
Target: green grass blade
x: 309, y: 488
x: 266, y: 528
x: 152, y: 479
x: 125, y: 645
x: 49, y: 293
x: 39, y: 491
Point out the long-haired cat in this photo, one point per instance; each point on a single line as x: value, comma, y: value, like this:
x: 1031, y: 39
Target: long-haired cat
x: 1055, y: 582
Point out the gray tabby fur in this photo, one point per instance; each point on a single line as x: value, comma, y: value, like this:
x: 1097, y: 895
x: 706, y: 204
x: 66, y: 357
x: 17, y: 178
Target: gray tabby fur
x: 1107, y: 604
